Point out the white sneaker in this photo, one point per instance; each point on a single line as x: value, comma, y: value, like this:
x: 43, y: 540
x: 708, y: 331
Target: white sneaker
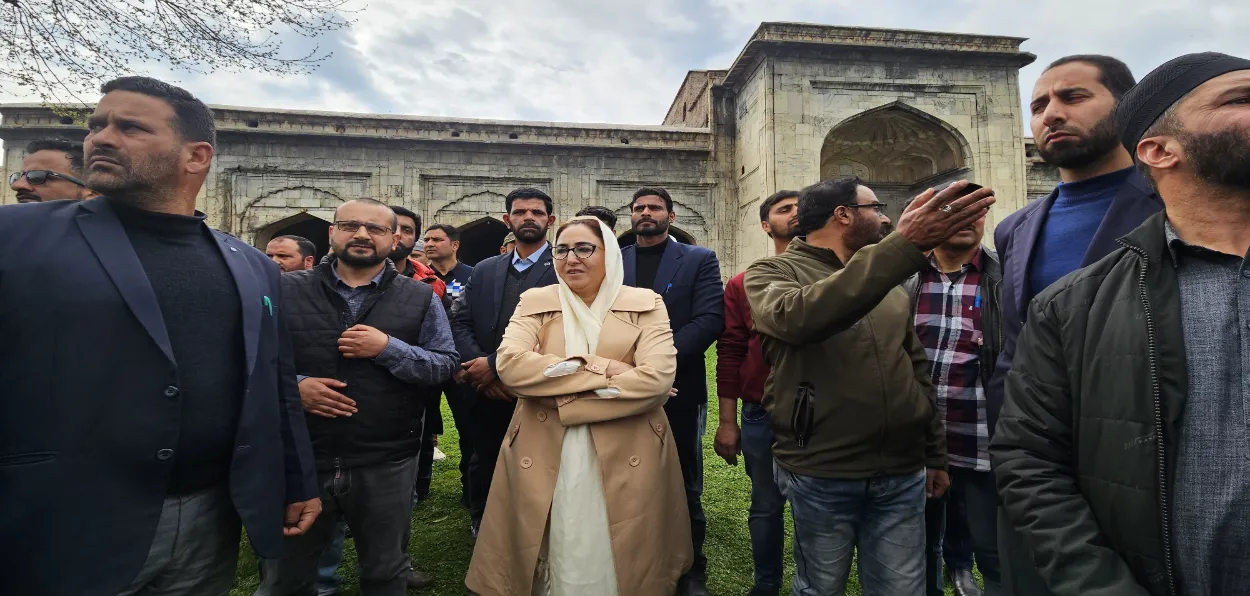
x: 439, y: 455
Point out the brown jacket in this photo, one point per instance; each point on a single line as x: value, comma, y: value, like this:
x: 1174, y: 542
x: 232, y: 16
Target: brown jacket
x: 642, y: 480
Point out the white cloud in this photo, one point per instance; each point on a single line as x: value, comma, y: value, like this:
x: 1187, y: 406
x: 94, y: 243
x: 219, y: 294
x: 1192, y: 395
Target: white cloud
x: 596, y: 61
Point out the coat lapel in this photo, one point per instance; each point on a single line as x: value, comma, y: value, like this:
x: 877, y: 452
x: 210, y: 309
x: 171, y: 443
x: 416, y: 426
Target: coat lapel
x: 501, y: 277
x: 629, y: 264
x: 249, y: 295
x: 541, y: 270
x: 1017, y: 272
x: 99, y: 225
x: 669, y: 264
x: 1134, y: 204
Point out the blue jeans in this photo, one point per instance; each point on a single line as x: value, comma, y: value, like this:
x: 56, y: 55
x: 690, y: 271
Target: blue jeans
x: 766, y: 520
x: 974, y: 493
x: 881, y: 517
x: 328, y: 579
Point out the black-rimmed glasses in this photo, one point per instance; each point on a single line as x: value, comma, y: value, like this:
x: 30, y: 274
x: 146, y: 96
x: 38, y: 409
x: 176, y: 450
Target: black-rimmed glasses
x: 581, y: 250
x: 351, y: 227
x: 39, y: 177
x: 878, y: 207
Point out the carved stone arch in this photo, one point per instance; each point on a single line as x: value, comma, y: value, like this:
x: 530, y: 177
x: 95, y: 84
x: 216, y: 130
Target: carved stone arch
x: 895, y: 149
x: 473, y: 206
x: 300, y: 195
x: 316, y: 229
x: 687, y: 217
x: 480, y: 239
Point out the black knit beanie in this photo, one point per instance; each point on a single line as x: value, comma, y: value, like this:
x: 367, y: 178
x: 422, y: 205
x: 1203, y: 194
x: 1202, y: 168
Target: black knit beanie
x: 1164, y: 86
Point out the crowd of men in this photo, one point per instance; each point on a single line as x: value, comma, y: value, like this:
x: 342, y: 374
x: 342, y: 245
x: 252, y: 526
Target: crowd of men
x: 1066, y: 413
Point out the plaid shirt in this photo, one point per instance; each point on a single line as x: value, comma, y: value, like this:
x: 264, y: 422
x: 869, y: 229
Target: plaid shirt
x: 948, y: 321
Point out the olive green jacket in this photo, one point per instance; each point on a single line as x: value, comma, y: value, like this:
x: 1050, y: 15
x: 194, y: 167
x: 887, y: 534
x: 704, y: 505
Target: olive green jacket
x: 843, y: 337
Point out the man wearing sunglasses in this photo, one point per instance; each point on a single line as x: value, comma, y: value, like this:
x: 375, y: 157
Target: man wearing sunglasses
x: 51, y: 171
x: 857, y: 442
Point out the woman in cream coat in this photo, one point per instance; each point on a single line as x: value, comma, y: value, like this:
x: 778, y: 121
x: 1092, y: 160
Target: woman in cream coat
x: 587, y: 497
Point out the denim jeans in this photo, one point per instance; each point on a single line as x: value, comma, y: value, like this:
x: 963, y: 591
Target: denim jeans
x: 979, y: 496
x: 956, y: 539
x: 328, y: 579
x: 766, y: 520
x: 882, y: 518
x: 688, y: 426
x: 376, y: 503
x: 948, y: 539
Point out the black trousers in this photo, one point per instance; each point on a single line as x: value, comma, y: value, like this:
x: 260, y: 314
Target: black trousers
x: 490, y: 419
x: 689, y: 424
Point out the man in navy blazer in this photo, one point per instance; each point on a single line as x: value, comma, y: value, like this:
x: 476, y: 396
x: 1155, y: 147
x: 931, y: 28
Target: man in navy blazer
x: 149, y: 402
x: 479, y: 317
x: 1102, y: 197
x: 688, y: 278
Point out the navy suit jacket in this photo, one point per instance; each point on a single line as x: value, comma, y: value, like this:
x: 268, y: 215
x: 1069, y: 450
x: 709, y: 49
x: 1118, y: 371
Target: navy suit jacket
x: 1015, y: 239
x: 689, y: 282
x: 88, y: 397
x: 475, y: 314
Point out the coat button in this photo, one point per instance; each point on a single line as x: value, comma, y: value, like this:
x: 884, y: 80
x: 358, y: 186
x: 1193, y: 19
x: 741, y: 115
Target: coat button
x: 659, y: 428
x: 542, y: 416
x: 526, y: 462
x: 171, y: 391
x: 633, y: 460
x: 593, y: 368
x: 164, y: 454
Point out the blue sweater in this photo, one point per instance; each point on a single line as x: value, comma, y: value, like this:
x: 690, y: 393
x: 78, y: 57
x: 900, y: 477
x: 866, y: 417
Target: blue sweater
x: 1070, y: 226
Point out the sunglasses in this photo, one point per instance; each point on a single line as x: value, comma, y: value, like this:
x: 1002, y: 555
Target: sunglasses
x: 39, y: 177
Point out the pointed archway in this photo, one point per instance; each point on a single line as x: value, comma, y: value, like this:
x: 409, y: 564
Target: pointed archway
x: 481, y: 239
x: 315, y: 229
x: 677, y: 233
x: 897, y: 150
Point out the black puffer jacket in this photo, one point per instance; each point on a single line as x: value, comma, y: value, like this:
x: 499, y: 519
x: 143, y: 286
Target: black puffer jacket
x: 387, y: 426
x: 1085, y: 447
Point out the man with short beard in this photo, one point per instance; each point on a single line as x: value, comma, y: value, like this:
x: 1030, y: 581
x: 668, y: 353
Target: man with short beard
x: 366, y: 340
x: 857, y: 441
x: 149, y: 402
x: 291, y: 253
x: 955, y: 304
x: 1121, y: 451
x: 688, y: 279
x: 1101, y: 198
x: 740, y: 374
x: 479, y: 318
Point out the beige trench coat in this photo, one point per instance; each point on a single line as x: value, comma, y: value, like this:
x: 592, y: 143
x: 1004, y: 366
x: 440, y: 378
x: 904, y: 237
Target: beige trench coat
x: 642, y: 482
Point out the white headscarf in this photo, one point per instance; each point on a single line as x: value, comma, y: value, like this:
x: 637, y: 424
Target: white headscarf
x: 582, y: 323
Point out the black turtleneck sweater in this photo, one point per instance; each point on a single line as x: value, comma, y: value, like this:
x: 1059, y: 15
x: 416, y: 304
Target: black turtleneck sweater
x: 647, y: 262
x: 199, y: 303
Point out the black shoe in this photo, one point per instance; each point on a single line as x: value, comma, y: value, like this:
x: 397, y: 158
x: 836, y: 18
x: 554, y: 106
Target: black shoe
x: 474, y: 527
x: 965, y: 584
x: 418, y: 580
x: 692, y: 586
x: 759, y: 590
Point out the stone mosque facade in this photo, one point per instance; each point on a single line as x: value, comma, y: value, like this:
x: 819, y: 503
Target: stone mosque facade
x: 903, y: 110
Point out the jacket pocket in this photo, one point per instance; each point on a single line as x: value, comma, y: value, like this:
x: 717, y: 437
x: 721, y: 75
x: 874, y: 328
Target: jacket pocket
x: 657, y: 427
x: 22, y: 459
x: 803, y: 418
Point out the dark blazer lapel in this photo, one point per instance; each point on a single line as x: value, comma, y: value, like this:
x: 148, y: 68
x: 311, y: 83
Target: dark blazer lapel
x: 1021, y: 254
x: 669, y: 264
x: 501, y: 276
x: 249, y: 295
x: 1134, y: 204
x: 629, y: 264
x: 543, y: 269
x: 99, y: 225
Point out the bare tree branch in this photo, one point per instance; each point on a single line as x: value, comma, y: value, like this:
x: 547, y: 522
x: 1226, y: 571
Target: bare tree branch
x: 62, y: 50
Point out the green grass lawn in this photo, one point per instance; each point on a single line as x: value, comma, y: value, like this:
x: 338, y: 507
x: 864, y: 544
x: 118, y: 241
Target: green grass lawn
x: 441, y: 544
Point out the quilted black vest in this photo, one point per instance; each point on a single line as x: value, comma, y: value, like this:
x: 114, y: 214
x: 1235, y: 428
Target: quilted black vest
x: 387, y: 425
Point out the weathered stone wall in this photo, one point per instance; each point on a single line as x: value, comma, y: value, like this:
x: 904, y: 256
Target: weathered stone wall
x: 1042, y: 177
x: 692, y: 105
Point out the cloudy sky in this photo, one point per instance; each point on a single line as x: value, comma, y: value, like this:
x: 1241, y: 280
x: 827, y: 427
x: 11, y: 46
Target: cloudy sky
x: 621, y: 62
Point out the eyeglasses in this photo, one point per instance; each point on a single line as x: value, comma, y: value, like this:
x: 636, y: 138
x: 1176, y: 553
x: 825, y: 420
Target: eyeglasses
x: 878, y: 207
x: 39, y: 177
x: 581, y: 250
x: 351, y: 227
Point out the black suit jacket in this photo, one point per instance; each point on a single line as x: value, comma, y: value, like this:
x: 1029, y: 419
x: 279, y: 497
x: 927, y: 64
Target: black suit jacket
x: 689, y: 282
x: 475, y: 313
x: 88, y: 397
x: 1015, y: 239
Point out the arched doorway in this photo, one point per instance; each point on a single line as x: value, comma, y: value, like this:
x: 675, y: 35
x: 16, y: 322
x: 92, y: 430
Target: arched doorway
x: 481, y: 239
x: 315, y: 229
x: 677, y: 233
x: 896, y: 150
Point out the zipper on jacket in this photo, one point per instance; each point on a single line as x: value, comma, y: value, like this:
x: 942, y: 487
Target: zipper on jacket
x: 1165, y: 516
